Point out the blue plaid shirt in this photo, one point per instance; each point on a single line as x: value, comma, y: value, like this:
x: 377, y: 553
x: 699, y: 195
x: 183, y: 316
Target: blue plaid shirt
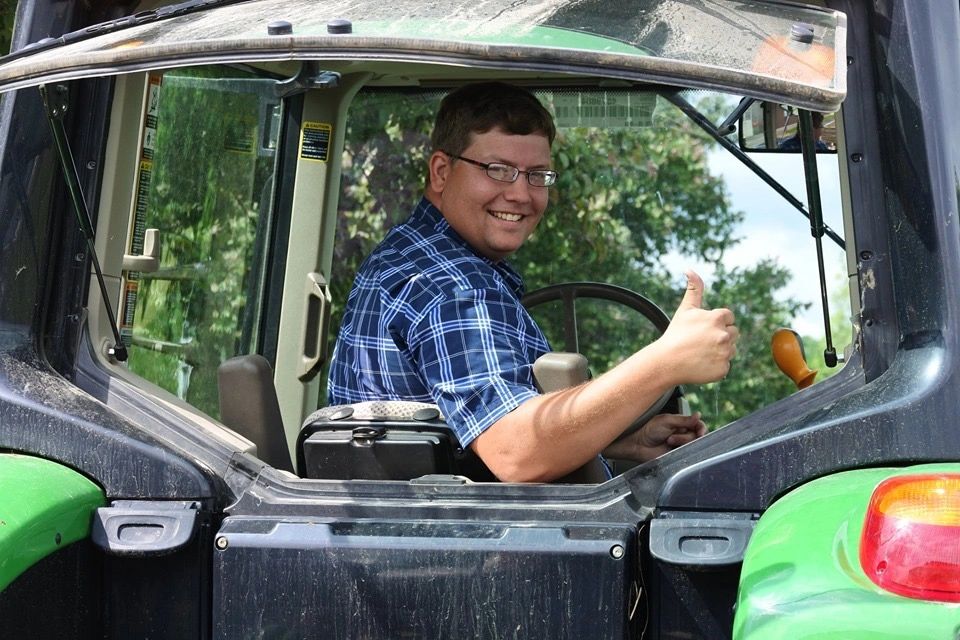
x: 430, y: 320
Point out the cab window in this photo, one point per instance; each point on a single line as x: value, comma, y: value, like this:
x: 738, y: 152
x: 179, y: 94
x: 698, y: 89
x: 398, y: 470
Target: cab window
x: 205, y: 182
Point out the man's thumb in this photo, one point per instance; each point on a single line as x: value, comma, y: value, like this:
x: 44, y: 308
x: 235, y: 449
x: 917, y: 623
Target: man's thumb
x: 693, y: 298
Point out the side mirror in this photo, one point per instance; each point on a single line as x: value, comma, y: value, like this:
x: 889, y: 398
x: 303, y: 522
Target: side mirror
x: 767, y: 126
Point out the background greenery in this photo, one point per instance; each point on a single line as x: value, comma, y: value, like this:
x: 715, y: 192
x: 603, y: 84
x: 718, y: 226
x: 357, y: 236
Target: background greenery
x: 7, y: 10
x: 209, y: 195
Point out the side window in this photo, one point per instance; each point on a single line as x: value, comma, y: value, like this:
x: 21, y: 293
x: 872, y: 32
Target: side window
x: 645, y: 194
x: 205, y: 183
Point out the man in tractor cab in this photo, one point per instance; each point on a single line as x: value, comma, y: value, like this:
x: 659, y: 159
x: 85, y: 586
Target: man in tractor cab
x: 435, y: 314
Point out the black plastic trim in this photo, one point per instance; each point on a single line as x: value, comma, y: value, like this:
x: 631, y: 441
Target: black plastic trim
x: 143, y: 528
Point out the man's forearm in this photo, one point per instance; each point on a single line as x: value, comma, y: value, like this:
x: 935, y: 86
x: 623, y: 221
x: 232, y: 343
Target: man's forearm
x: 551, y: 435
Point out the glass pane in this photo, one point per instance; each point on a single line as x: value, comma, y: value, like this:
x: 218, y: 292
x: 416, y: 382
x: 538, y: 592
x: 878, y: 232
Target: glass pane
x: 607, y: 332
x: 208, y: 180
x: 642, y: 195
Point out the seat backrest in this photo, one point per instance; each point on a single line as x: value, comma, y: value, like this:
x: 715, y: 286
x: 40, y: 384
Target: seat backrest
x: 249, y: 406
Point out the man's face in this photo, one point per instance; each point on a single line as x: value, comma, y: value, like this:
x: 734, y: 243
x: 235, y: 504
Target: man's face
x: 494, y: 217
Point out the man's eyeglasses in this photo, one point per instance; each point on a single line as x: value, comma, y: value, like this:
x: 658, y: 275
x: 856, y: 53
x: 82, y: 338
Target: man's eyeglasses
x: 506, y: 173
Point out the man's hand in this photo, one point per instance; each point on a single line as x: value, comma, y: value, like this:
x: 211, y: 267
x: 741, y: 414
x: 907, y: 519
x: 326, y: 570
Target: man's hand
x: 661, y: 434
x: 701, y: 341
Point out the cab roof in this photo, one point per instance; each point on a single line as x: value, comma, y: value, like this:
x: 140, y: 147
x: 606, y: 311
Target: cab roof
x: 771, y: 50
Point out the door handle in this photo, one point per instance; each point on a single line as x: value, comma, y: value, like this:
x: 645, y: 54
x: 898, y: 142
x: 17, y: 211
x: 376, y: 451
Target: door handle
x: 149, y: 261
x: 316, y: 324
x: 144, y: 528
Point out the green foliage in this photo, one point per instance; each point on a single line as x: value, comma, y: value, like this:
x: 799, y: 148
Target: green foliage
x: 754, y: 379
x: 8, y: 10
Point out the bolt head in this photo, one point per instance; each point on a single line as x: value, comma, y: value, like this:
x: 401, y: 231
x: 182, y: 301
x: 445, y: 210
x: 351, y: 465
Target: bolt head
x: 279, y: 28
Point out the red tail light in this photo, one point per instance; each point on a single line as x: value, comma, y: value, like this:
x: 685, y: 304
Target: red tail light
x: 911, y: 537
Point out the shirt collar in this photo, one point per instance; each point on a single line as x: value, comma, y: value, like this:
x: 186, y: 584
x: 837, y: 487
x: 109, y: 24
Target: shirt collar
x: 427, y: 214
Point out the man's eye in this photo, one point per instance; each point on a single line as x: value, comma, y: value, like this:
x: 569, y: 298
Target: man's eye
x: 502, y: 172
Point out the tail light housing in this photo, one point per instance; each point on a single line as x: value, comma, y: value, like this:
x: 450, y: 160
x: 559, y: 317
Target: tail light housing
x: 910, y: 543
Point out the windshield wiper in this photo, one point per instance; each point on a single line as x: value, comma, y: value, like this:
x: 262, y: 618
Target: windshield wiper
x: 55, y: 103
x: 118, y: 24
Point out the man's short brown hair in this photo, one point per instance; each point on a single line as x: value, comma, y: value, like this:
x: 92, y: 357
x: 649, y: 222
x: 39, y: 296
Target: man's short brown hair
x: 484, y: 106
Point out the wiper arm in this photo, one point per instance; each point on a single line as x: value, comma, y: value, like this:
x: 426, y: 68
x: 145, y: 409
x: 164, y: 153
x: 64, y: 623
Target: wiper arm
x: 118, y: 24
x: 728, y: 126
x: 717, y: 135
x: 56, y: 106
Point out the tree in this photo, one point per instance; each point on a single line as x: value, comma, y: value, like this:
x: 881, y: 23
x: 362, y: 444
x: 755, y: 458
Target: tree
x: 208, y: 179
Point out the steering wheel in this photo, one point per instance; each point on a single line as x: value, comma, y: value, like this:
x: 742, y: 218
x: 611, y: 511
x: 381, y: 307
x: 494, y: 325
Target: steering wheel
x: 568, y: 292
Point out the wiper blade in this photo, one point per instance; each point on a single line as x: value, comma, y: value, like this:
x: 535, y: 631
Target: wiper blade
x: 56, y: 106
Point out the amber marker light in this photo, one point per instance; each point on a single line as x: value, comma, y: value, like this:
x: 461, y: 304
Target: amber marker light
x: 797, y: 57
x: 911, y: 537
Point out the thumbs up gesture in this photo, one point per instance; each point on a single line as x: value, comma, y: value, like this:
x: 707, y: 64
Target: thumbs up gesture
x: 702, y: 341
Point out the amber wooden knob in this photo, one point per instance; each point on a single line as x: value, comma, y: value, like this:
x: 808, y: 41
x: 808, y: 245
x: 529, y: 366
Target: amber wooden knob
x: 788, y: 353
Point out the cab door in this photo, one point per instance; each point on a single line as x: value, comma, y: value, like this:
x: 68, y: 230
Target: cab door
x: 224, y: 204
x: 202, y: 229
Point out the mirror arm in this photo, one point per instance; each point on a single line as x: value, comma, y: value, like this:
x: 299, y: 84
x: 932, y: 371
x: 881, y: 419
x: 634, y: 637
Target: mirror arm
x: 55, y: 103
x: 808, y: 145
x: 706, y: 125
x: 310, y: 76
x: 729, y: 125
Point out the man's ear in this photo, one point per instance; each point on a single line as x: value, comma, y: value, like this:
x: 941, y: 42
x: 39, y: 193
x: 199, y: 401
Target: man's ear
x: 439, y: 171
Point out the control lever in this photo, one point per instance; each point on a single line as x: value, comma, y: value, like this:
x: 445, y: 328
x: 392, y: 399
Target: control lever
x: 787, y: 348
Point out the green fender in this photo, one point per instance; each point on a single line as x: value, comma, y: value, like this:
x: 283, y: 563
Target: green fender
x: 801, y: 576
x: 44, y: 506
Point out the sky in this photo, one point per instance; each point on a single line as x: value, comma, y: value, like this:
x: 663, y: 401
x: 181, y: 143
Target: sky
x: 772, y: 228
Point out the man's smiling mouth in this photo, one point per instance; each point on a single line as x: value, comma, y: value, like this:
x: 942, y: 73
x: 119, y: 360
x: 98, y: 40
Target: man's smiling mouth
x: 509, y: 217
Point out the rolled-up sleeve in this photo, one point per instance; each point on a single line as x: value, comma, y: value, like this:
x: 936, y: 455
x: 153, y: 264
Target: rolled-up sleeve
x: 474, y: 349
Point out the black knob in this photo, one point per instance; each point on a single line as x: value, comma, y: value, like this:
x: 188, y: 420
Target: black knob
x: 339, y: 25
x: 279, y: 28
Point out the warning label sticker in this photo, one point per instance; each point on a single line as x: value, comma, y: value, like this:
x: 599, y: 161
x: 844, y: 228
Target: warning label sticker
x: 315, y: 141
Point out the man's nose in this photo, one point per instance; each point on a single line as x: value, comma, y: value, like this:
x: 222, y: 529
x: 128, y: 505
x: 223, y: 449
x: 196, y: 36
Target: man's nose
x: 519, y: 190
